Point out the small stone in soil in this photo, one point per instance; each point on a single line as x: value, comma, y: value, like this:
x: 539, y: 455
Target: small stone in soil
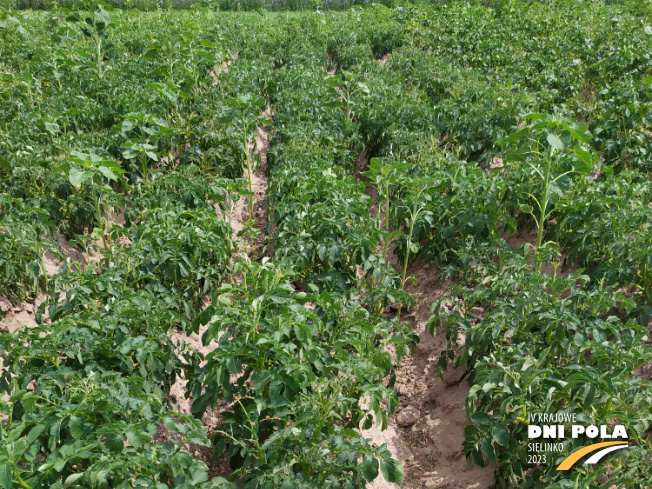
x: 408, y: 416
x: 453, y: 376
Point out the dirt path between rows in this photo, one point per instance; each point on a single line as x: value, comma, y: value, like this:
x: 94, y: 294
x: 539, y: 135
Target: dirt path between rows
x: 427, y: 432
x: 23, y: 313
x: 259, y: 187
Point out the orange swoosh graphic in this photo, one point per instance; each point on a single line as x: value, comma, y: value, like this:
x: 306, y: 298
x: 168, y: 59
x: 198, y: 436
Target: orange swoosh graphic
x: 578, y: 454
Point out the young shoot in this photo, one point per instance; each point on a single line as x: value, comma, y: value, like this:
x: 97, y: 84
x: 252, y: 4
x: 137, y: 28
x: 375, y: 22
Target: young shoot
x: 239, y: 117
x: 413, y: 209
x: 91, y: 174
x: 552, y: 148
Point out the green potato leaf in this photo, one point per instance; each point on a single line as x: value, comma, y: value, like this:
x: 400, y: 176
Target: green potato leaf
x: 369, y: 468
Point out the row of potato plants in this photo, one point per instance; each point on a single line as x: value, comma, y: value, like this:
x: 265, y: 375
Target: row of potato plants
x: 483, y: 68
x: 303, y: 360
x: 202, y: 5
x: 541, y: 166
x: 101, y: 122
x: 403, y: 130
x: 546, y: 344
x: 312, y: 315
x: 543, y: 343
x: 147, y: 103
x: 153, y: 104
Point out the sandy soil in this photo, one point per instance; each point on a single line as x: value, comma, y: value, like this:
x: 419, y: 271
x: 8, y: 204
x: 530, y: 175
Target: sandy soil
x: 178, y: 397
x: 426, y: 434
x: 530, y: 236
x: 644, y: 371
x: 259, y: 188
x: 23, y: 314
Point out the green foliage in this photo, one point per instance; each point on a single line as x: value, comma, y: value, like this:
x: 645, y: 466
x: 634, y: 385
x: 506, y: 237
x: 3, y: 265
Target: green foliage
x: 119, y: 122
x: 247, y: 125
x: 150, y: 117
x: 552, y: 159
x: 543, y: 344
x: 94, y: 429
x: 23, y: 243
x: 300, y: 374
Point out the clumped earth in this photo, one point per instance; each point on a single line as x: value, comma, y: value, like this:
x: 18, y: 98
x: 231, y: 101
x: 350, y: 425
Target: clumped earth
x: 428, y: 431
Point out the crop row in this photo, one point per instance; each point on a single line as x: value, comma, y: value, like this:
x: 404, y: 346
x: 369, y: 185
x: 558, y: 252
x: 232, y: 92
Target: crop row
x: 591, y: 201
x: 303, y: 348
x: 89, y: 390
x: 478, y: 123
x: 68, y: 120
x: 220, y: 5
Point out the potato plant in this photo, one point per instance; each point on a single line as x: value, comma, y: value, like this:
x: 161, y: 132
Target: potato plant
x: 300, y: 374
x: 89, y: 385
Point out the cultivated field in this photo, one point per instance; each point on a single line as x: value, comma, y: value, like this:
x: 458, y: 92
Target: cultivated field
x: 330, y: 249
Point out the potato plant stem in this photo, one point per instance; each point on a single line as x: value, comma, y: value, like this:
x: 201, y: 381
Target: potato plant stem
x: 20, y: 479
x: 249, y: 173
x: 542, y: 209
x: 386, y: 238
x: 99, y: 56
x: 229, y: 207
x: 45, y: 272
x: 405, y: 262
